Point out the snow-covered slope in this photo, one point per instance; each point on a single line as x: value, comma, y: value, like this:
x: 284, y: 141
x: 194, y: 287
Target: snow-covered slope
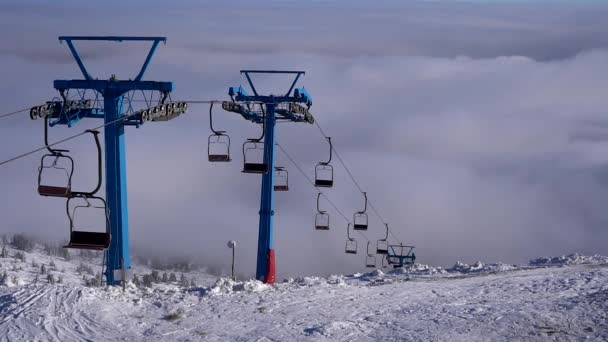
x: 563, y: 298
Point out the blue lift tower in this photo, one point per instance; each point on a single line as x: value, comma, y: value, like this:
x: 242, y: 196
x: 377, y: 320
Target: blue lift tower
x: 114, y: 107
x: 292, y: 106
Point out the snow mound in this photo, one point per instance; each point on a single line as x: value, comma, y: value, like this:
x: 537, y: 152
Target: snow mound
x: 480, y: 267
x: 225, y: 286
x: 571, y: 259
x: 331, y: 330
x: 318, y: 281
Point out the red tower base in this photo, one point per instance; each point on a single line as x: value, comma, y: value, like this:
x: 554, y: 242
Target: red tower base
x: 270, y: 276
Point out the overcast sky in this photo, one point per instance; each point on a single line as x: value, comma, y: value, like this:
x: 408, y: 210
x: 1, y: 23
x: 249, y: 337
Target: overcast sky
x: 479, y: 129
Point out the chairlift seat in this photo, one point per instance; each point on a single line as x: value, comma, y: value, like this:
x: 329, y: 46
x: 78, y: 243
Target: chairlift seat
x: 324, y: 183
x: 360, y: 226
x: 219, y: 158
x: 281, y: 187
x: 89, y: 240
x: 54, y: 191
x: 321, y: 227
x: 370, y: 261
x: 255, y: 168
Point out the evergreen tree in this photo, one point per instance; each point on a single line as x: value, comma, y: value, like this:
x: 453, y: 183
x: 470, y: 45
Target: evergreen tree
x: 165, y: 278
x: 155, y: 276
x: 183, y: 281
x: 172, y: 278
x: 136, y: 280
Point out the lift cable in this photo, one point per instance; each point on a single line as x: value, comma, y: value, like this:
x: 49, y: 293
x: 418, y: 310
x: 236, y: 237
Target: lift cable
x: 122, y: 118
x: 333, y: 147
x: 13, y: 113
x: 318, y: 190
x: 83, y: 132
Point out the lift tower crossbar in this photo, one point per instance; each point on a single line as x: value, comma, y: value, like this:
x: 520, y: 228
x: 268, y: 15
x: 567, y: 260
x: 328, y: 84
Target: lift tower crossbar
x: 284, y: 107
x: 112, y: 91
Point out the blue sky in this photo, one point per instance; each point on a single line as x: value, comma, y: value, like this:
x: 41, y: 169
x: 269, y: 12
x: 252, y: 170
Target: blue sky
x: 478, y: 129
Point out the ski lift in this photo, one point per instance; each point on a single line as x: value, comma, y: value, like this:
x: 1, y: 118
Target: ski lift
x: 281, y: 179
x: 382, y: 244
x: 218, y: 144
x: 370, y: 258
x: 400, y: 255
x: 322, y: 218
x: 351, y: 243
x: 360, y: 217
x: 324, y: 172
x: 253, y: 155
x: 57, y: 163
x: 89, y: 206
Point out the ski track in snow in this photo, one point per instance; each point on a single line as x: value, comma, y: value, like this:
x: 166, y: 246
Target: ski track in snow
x: 563, y: 299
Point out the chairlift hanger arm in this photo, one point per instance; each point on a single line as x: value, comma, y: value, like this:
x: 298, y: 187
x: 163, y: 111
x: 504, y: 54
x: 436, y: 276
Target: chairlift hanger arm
x: 330, y: 151
x: 91, y: 194
x: 348, y: 232
x: 318, y: 207
x: 365, y: 207
x: 46, y: 139
x: 211, y: 121
x: 386, y: 235
x: 85, y: 73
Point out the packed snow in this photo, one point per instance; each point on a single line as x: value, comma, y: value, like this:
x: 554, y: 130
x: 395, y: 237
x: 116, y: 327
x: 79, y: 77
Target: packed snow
x: 561, y: 298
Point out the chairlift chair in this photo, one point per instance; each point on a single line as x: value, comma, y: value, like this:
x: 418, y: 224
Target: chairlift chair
x: 370, y: 258
x: 253, y: 154
x: 321, y: 218
x: 382, y: 244
x: 351, y: 243
x: 360, y: 217
x: 55, y: 161
x: 281, y: 179
x: 324, y: 172
x: 82, y: 238
x: 218, y: 143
